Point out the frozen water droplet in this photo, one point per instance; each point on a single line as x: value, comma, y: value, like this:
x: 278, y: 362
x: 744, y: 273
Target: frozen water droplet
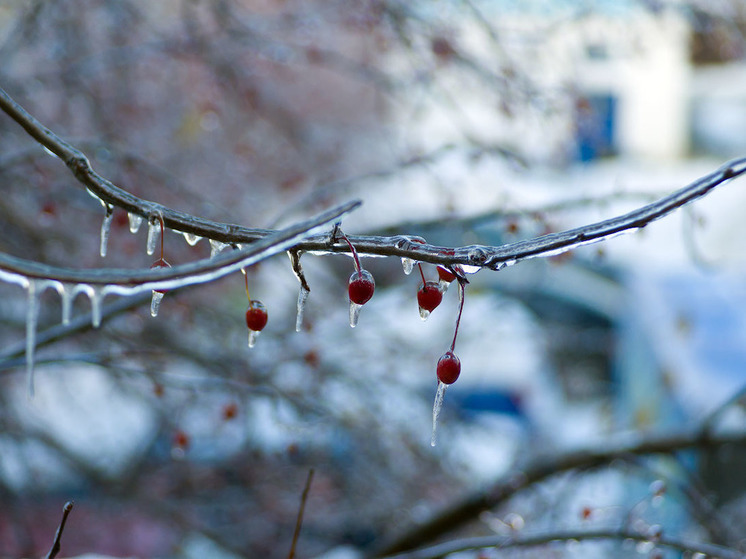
x: 424, y: 313
x: 407, y: 264
x: 216, y: 247
x: 192, y: 239
x: 253, y: 335
x: 155, y: 302
x: 135, y: 222
x: 32, y: 316
x: 437, y: 405
x: 470, y: 269
x: 66, y: 294
x: 96, y: 297
x: 105, y: 229
x: 302, y: 297
x: 154, y: 232
x: 354, y: 313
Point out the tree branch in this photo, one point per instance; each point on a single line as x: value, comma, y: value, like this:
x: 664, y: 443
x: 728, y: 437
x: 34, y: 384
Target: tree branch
x: 565, y: 536
x: 543, y: 467
x: 477, y: 256
x: 56, y: 545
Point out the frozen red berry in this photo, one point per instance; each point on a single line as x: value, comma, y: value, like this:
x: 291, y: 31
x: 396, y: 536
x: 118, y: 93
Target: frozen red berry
x: 449, y: 368
x: 429, y: 296
x: 160, y: 263
x: 256, y: 316
x: 446, y: 275
x: 361, y: 287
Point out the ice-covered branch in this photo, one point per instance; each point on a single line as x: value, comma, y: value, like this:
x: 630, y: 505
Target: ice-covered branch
x: 543, y: 467
x: 129, y: 282
x: 476, y: 256
x: 520, y: 540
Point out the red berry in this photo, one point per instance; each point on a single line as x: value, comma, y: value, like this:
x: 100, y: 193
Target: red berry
x: 256, y: 316
x: 429, y: 296
x: 446, y: 275
x: 160, y: 263
x: 181, y: 440
x: 449, y: 368
x: 361, y: 287
x: 230, y: 411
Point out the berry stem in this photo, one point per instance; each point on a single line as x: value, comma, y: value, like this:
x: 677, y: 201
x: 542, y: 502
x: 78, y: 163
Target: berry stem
x: 160, y: 220
x: 246, y: 280
x: 354, y: 252
x: 461, y: 293
x: 422, y: 274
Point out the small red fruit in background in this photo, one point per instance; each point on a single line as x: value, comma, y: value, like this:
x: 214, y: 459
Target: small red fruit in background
x: 230, y: 411
x: 181, y: 440
x: 448, y: 368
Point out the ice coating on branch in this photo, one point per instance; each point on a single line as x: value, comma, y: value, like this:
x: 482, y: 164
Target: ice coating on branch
x: 192, y: 239
x: 135, y: 222
x: 302, y: 297
x: 155, y: 303
x: 216, y: 247
x: 105, y: 230
x: 407, y: 264
x: 32, y: 316
x: 437, y: 405
x: 154, y: 233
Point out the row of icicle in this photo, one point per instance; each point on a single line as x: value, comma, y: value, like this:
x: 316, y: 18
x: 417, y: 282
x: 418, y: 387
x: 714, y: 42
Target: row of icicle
x: 361, y: 287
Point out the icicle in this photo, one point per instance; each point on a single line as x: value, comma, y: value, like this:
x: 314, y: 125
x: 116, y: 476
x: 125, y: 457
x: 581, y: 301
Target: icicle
x: 437, y: 405
x: 154, y: 232
x: 253, y: 335
x: 155, y: 302
x: 407, y: 264
x: 354, y: 313
x: 135, y: 222
x: 302, y: 297
x: 105, y: 229
x: 96, y: 297
x: 32, y: 317
x: 424, y: 313
x: 66, y: 295
x: 216, y: 247
x: 192, y: 239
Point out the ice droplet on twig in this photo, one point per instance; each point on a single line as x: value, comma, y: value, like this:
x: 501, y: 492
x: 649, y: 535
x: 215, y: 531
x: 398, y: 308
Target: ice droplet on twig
x: 155, y: 303
x: 32, y: 316
x: 154, y: 232
x: 302, y: 297
x: 253, y: 335
x: 96, y: 296
x: 192, y: 239
x: 407, y: 264
x: 105, y: 229
x: 216, y: 247
x: 354, y: 313
x: 66, y: 294
x: 135, y: 222
x: 437, y: 405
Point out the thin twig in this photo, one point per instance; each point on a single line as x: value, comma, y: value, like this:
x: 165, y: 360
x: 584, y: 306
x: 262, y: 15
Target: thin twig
x: 299, y: 520
x: 540, y: 469
x: 56, y: 545
x: 566, y: 536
